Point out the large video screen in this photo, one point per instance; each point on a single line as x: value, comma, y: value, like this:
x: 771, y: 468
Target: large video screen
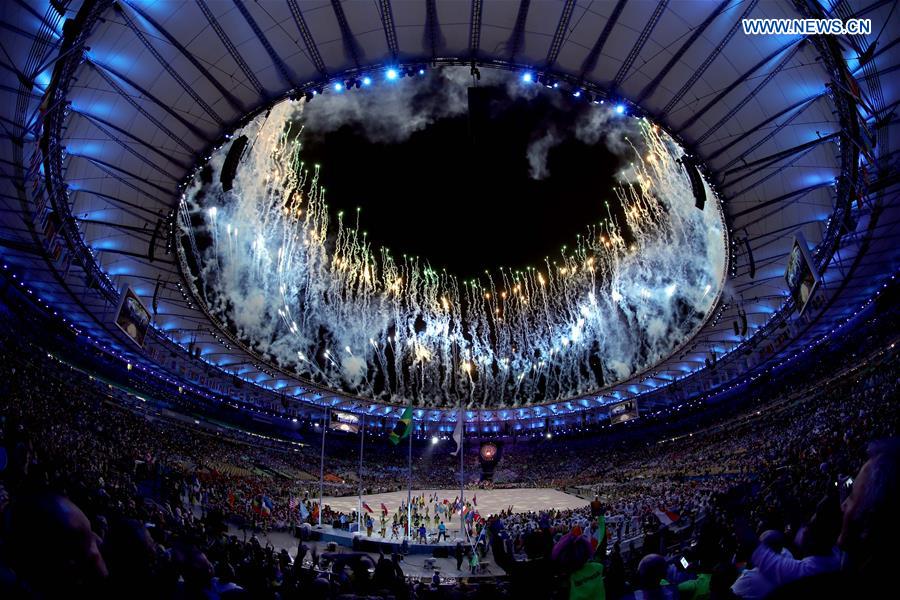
x: 343, y: 421
x: 801, y: 275
x: 623, y: 411
x: 133, y: 318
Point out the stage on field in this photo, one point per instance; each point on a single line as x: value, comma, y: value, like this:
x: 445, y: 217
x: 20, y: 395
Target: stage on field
x: 488, y: 501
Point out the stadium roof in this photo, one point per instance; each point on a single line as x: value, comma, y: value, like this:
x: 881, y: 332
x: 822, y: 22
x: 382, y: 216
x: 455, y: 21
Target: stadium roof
x: 108, y: 106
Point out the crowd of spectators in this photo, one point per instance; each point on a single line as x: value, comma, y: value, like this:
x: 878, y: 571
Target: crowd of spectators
x: 104, y: 495
x: 783, y: 473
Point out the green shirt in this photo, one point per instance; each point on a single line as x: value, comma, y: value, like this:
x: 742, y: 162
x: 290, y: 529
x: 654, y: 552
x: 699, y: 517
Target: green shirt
x: 587, y: 583
x: 696, y: 589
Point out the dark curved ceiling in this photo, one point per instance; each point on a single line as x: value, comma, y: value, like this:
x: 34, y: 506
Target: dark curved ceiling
x: 121, y: 117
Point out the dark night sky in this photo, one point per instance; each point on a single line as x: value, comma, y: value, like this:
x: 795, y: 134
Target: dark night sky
x: 469, y: 205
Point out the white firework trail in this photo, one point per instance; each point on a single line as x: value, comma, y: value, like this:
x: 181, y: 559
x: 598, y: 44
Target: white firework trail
x: 324, y: 303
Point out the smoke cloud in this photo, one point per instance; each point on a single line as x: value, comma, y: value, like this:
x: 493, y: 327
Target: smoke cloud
x: 394, y: 112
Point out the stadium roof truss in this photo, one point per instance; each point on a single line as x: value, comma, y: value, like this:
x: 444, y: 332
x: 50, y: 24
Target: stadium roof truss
x: 108, y: 106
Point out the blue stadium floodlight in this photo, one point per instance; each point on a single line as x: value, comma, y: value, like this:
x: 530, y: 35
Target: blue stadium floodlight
x: 421, y: 71
x: 367, y: 81
x: 338, y: 87
x: 391, y: 74
x: 527, y: 77
x: 620, y: 109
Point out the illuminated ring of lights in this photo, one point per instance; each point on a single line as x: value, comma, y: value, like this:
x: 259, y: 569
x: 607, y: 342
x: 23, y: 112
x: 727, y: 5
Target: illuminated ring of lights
x: 456, y: 382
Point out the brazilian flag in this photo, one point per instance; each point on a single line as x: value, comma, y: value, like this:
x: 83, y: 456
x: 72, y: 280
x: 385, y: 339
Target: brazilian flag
x: 403, y: 427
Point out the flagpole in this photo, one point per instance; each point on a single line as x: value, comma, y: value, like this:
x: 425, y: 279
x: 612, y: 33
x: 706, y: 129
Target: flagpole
x: 412, y: 431
x: 362, y: 439
x: 409, y: 488
x: 322, y: 465
x: 462, y: 476
x: 467, y: 367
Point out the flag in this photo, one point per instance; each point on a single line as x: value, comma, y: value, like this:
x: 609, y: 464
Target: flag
x: 50, y: 227
x: 457, y: 435
x: 367, y: 507
x: 56, y: 248
x: 384, y: 508
x: 267, y: 506
x: 474, y: 499
x: 304, y: 512
x: 402, y: 428
x: 481, y: 535
x: 33, y: 164
x: 597, y: 533
x: 666, y: 517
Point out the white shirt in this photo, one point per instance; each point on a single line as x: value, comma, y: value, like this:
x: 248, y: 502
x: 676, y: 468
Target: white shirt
x: 753, y: 585
x: 780, y: 569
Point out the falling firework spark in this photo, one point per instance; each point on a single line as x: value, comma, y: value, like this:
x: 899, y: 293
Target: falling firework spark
x: 324, y: 303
